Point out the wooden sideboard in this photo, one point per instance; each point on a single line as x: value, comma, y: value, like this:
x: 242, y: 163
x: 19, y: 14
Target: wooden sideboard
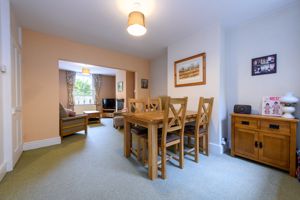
x: 269, y: 140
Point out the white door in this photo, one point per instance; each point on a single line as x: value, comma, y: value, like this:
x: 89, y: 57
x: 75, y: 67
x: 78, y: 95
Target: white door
x: 17, y: 135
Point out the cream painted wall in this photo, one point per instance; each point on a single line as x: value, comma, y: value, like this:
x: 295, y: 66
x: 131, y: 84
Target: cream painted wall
x: 108, y: 87
x: 276, y: 33
x: 130, y: 84
x: 208, y: 41
x: 158, y: 76
x: 41, y: 53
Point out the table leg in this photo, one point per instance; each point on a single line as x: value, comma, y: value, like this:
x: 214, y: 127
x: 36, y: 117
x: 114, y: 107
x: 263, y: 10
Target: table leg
x: 152, y: 151
x: 127, y: 138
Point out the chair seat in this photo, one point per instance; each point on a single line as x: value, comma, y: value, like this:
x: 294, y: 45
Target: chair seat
x: 190, y: 131
x: 170, y: 136
x: 138, y: 130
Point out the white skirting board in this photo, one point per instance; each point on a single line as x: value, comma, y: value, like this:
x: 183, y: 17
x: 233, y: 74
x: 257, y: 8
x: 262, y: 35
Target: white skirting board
x: 2, y: 170
x: 215, y: 148
x: 41, y: 143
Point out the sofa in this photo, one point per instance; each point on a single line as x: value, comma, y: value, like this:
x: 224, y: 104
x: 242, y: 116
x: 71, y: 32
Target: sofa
x: 70, y: 123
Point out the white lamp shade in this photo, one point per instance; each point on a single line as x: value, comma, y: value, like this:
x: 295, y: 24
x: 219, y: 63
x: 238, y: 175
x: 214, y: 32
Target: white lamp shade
x: 289, y: 98
x: 136, y: 24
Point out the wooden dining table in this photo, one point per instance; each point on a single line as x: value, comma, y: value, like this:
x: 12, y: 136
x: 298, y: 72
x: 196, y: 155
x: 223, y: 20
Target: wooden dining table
x: 152, y: 121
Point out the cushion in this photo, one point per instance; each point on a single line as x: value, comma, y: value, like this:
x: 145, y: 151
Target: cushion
x: 118, y: 121
x: 170, y: 137
x: 138, y: 130
x: 70, y: 113
x: 191, y: 132
x: 62, y: 112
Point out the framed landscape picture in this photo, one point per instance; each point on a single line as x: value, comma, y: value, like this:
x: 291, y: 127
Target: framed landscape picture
x: 271, y: 106
x: 120, y: 86
x: 190, y: 71
x: 264, y: 65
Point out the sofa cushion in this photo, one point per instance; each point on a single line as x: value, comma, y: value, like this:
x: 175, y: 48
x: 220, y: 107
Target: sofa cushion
x: 62, y: 112
x: 70, y: 113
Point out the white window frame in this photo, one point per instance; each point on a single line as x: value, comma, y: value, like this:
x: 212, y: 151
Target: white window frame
x: 92, y: 97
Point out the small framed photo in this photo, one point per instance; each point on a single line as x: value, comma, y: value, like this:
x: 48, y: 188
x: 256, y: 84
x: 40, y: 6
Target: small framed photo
x: 190, y: 71
x: 264, y: 65
x: 144, y: 83
x: 120, y: 86
x: 271, y: 106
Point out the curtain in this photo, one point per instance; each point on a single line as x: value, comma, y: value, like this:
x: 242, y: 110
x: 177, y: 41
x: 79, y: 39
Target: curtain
x: 70, y: 78
x: 97, y: 80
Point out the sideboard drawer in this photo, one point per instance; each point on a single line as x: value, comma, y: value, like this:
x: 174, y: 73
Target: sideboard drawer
x: 275, y: 126
x: 246, y: 123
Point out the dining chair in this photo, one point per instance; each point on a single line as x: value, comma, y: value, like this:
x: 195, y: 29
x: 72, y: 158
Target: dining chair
x: 154, y: 105
x: 200, y: 128
x: 137, y: 106
x: 172, y: 133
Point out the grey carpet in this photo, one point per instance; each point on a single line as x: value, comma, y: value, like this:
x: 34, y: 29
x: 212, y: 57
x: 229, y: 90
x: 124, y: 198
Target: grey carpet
x: 94, y: 167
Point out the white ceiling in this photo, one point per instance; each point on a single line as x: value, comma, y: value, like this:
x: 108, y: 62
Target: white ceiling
x: 102, y: 23
x: 77, y: 67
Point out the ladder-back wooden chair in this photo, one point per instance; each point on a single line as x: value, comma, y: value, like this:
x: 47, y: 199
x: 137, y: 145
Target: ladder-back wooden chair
x: 154, y: 105
x: 200, y: 129
x: 137, y: 106
x: 172, y: 132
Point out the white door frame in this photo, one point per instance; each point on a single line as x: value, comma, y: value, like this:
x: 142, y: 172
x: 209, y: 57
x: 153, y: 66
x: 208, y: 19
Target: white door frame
x: 6, y: 86
x: 17, y: 135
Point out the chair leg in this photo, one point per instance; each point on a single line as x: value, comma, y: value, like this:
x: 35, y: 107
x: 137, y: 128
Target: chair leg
x: 206, y: 144
x: 138, y: 148
x: 189, y: 141
x: 197, y: 147
x: 181, y: 153
x: 144, y: 151
x: 163, y: 162
x: 176, y: 149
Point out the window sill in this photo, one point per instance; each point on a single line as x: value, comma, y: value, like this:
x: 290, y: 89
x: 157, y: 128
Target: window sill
x: 85, y: 104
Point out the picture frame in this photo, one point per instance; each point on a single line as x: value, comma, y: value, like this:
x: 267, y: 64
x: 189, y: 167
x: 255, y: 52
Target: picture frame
x: 120, y: 86
x: 271, y: 106
x: 190, y: 71
x: 144, y: 83
x: 264, y: 65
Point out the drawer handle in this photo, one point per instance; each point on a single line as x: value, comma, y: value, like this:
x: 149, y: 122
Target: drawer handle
x: 256, y: 144
x: 274, y: 126
x: 260, y: 145
x: 245, y: 122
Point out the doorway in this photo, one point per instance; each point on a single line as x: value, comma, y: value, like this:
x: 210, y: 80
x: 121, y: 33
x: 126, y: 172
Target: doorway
x: 116, y: 87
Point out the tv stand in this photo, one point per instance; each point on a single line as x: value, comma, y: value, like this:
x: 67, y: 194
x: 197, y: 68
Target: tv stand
x: 108, y: 113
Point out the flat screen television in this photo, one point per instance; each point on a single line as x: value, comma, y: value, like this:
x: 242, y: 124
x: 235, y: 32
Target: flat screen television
x: 109, y: 103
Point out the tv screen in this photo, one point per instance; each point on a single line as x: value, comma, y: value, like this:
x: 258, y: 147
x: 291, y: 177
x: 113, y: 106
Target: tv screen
x: 109, y: 103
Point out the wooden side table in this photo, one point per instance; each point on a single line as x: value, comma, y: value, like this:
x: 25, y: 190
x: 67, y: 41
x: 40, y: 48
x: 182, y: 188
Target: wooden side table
x: 93, y: 114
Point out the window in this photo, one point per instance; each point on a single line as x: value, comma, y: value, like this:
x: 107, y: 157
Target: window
x: 84, y: 90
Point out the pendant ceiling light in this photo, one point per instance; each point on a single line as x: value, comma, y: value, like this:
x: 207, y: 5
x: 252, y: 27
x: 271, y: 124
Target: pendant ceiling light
x: 85, y: 71
x: 136, y: 24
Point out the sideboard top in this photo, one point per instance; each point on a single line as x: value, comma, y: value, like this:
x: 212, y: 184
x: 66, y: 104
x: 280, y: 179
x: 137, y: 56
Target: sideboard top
x: 264, y: 117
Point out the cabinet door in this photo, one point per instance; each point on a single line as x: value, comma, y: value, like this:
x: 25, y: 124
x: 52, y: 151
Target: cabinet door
x: 245, y: 143
x: 275, y: 149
